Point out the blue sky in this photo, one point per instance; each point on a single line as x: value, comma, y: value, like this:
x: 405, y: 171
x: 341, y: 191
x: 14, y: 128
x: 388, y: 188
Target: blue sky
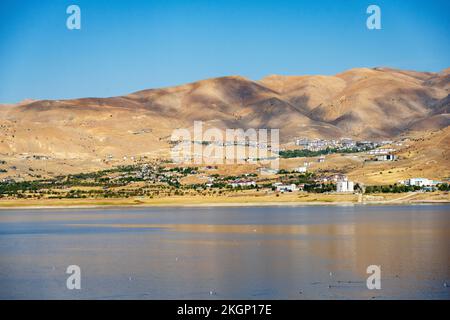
x: 125, y: 46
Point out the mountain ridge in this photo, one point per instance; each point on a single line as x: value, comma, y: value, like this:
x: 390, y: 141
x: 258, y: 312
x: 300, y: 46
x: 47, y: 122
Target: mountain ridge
x: 373, y: 103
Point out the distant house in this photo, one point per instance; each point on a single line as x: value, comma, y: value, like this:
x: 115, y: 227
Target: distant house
x: 343, y: 185
x: 386, y: 157
x: 301, y: 142
x: 300, y: 169
x: 8, y: 180
x: 420, y: 182
x: 276, y: 184
x: 332, y: 178
x: 321, y: 159
x: 286, y: 187
x: 380, y: 151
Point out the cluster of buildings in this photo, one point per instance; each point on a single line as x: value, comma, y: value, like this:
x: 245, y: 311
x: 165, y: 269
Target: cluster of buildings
x: 332, y: 178
x: 420, y: 182
x: 343, y: 143
x: 321, y: 144
x: 146, y: 172
x: 280, y: 187
x: 242, y: 143
x: 343, y: 185
x: 383, y: 154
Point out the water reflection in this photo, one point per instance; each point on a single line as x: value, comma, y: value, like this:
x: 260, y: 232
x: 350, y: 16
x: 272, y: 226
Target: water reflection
x: 227, y: 253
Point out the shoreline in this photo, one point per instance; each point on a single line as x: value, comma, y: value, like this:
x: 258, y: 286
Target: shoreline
x: 223, y: 204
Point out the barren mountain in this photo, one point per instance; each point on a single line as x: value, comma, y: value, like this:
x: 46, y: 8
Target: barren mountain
x: 425, y: 155
x: 367, y: 102
x: 363, y: 103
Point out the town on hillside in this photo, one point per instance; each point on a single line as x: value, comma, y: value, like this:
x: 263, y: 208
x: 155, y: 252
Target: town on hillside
x: 134, y: 176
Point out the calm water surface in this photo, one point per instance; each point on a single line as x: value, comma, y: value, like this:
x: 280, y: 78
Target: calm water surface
x: 227, y: 253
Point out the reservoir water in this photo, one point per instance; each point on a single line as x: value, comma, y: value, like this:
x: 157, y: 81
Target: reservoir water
x: 280, y: 252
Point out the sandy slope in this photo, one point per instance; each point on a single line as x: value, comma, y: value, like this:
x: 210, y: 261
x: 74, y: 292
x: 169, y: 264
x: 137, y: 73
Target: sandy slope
x: 362, y: 103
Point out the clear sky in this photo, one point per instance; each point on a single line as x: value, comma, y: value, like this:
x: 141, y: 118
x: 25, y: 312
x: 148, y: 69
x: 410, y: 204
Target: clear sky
x: 125, y: 46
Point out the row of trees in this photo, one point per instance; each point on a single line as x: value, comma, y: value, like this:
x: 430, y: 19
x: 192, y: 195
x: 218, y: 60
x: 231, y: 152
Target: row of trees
x: 398, y: 188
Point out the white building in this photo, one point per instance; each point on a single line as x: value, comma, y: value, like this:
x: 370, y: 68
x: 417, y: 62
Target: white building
x: 380, y: 151
x: 343, y: 185
x: 386, y: 157
x: 286, y: 187
x: 300, y: 169
x: 419, y: 182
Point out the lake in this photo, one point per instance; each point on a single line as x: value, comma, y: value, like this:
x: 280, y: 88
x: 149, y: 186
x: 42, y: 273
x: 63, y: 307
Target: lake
x: 285, y: 252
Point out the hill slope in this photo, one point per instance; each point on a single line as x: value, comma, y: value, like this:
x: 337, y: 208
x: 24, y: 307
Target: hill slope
x: 363, y: 103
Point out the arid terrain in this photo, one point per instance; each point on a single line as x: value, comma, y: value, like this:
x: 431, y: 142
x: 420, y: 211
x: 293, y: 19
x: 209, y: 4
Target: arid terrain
x: 40, y: 139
